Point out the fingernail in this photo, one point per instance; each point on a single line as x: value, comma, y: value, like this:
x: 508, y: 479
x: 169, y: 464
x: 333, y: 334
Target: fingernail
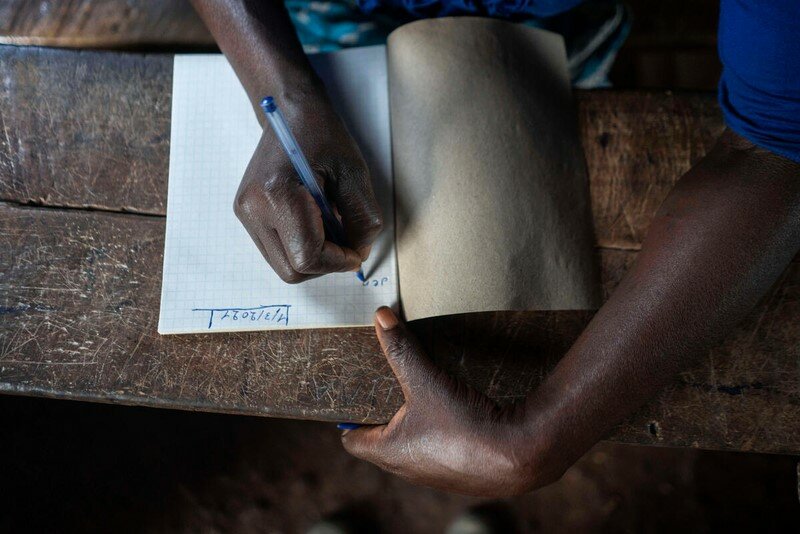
x: 386, y: 318
x: 347, y: 426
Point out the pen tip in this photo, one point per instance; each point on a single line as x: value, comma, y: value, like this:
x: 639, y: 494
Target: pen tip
x: 360, y: 275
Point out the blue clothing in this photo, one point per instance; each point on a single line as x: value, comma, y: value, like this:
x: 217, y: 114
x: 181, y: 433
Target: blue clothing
x: 759, y: 45
x: 489, y: 8
x: 593, y: 31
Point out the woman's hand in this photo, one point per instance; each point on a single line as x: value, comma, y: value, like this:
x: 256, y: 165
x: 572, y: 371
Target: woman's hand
x: 280, y: 214
x: 719, y: 241
x: 261, y: 44
x: 447, y: 435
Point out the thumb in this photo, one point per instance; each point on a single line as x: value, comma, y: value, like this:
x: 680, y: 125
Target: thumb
x: 374, y: 443
x: 413, y: 369
x: 365, y: 442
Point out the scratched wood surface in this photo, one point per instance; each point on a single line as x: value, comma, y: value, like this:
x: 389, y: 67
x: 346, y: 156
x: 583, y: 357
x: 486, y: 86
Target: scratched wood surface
x: 102, y: 23
x: 83, y: 189
x: 672, y: 44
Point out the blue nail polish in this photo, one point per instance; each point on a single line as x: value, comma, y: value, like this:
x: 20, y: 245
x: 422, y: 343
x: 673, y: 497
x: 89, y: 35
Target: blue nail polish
x: 347, y: 426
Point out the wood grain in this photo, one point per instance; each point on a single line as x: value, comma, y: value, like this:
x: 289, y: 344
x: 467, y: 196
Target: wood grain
x: 79, y: 309
x: 637, y: 145
x: 102, y: 141
x: 104, y: 23
x: 85, y: 129
x: 80, y: 280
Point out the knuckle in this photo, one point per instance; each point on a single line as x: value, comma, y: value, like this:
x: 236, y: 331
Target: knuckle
x: 304, y: 262
x: 258, y: 196
x: 368, y: 227
x: 292, y: 277
x: 374, y: 222
x: 354, y: 181
x: 513, y: 487
x: 354, y: 171
x: 245, y: 202
x: 400, y: 348
x: 273, y: 184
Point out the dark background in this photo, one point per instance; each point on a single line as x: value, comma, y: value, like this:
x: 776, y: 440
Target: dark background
x: 100, y: 468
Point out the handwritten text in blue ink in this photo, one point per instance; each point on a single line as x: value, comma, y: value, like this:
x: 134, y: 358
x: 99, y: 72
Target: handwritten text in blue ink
x: 375, y: 282
x: 271, y: 314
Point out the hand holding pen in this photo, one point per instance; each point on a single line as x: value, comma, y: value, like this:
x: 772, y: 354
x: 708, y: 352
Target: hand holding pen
x: 291, y: 228
x: 333, y: 227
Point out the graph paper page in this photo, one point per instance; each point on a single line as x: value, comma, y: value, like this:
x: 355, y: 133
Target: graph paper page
x: 215, y: 279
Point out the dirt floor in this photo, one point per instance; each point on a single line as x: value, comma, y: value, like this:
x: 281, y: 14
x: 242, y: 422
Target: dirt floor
x: 67, y: 466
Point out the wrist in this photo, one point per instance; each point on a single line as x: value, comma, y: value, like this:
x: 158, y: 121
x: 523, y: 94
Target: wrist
x: 302, y: 100
x: 261, y: 44
x: 531, y: 459
x: 541, y: 441
x: 293, y: 87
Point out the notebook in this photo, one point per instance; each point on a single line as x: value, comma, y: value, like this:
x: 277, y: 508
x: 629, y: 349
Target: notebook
x: 469, y: 134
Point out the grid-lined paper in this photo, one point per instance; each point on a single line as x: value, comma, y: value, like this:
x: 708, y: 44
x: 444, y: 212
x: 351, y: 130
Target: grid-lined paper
x: 215, y: 279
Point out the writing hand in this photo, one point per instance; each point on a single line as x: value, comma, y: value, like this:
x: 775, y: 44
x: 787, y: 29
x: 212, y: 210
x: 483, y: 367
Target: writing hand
x: 446, y: 435
x: 281, y: 216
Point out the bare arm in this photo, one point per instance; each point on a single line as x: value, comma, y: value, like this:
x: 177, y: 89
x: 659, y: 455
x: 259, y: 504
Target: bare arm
x: 260, y: 42
x: 720, y: 240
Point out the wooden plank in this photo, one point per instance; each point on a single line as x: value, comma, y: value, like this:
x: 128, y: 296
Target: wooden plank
x: 79, y: 295
x: 85, y: 129
x: 107, y: 23
x: 637, y: 145
x: 79, y: 290
x: 102, y: 141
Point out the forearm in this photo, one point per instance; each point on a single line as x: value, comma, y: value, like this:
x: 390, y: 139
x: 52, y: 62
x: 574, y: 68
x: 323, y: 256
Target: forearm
x: 719, y: 241
x: 722, y: 237
x: 259, y: 40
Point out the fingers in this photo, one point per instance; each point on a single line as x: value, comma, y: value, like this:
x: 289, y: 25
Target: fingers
x: 286, y: 224
x: 272, y: 249
x: 376, y: 443
x: 298, y: 223
x: 282, y: 218
x: 416, y: 373
x: 366, y: 442
x: 361, y: 215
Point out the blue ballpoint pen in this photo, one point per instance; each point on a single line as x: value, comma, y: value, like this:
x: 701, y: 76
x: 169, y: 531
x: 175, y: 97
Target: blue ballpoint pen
x: 332, y: 225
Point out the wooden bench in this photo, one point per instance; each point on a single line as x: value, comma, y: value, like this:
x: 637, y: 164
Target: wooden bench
x: 84, y: 146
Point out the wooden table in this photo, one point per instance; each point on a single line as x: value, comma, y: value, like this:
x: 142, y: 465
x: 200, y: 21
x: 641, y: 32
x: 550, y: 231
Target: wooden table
x: 84, y: 145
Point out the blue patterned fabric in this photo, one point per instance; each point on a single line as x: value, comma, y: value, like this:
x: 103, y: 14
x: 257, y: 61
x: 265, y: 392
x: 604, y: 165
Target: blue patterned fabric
x: 593, y: 30
x: 489, y: 8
